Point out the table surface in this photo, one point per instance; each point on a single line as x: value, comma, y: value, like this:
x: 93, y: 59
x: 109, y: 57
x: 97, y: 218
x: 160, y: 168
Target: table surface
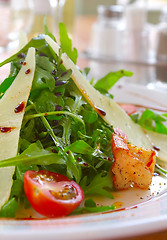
x: 81, y: 41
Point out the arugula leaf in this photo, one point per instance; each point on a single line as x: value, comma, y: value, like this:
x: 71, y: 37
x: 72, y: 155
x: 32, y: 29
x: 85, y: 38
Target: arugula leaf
x: 91, y: 207
x: 43, y: 79
x: 60, y: 132
x: 46, y: 101
x: 66, y: 43
x: 46, y: 30
x: 5, y: 85
x: 28, y: 133
x: 37, y: 42
x: 73, y: 168
x: 19, y: 173
x: 90, y: 116
x: 65, y: 75
x: 98, y: 185
x: 9, y: 209
x: 108, y: 81
x: 160, y: 170
x: 86, y: 71
x: 34, y: 154
x: 80, y: 146
x: 152, y: 121
x: 44, y: 63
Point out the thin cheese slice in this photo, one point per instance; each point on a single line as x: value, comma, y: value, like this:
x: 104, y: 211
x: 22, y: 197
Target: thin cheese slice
x: 159, y: 142
x: 22, y: 40
x: 111, y: 112
x: 114, y: 114
x: 12, y: 107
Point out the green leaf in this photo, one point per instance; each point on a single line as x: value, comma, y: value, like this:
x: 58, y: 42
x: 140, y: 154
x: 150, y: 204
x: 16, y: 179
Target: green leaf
x: 90, y: 203
x: 160, y: 127
x: 110, y: 79
x: 28, y: 132
x: 44, y: 63
x: 17, y: 188
x: 73, y: 168
x: 160, y: 170
x: 152, y: 121
x: 5, y: 85
x: 66, y: 43
x: 98, y: 185
x: 43, y: 79
x: 90, y: 207
x: 9, y: 209
x: 94, y: 209
x: 37, y: 42
x: 86, y: 71
x: 46, y: 102
x: 34, y: 154
x: 80, y: 146
x: 90, y: 116
x: 65, y: 75
x: 20, y: 171
x: 46, y: 30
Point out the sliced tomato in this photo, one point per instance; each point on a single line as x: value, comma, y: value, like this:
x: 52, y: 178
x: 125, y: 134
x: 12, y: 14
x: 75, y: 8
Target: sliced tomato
x: 129, y: 108
x: 52, y: 194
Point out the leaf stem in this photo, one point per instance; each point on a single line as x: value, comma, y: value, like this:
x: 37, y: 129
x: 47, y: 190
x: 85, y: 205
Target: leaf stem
x: 47, y: 126
x: 160, y: 170
x: 55, y: 113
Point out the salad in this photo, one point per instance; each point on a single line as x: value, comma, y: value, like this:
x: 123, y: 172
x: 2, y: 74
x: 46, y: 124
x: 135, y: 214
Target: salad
x: 64, y: 138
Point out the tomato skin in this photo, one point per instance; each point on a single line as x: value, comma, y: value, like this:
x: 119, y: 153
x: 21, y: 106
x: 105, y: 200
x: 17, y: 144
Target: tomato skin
x: 129, y: 108
x: 42, y: 194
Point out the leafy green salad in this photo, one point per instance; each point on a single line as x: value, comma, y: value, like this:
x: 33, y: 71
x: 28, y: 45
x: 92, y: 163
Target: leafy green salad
x: 64, y: 148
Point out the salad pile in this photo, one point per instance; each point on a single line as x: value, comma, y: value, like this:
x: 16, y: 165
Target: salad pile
x: 64, y: 152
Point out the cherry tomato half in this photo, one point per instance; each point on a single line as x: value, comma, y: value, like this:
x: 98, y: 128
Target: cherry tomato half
x: 129, y: 108
x: 52, y: 194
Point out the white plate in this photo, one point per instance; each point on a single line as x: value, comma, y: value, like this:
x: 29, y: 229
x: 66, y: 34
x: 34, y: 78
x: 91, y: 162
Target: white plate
x: 141, y: 211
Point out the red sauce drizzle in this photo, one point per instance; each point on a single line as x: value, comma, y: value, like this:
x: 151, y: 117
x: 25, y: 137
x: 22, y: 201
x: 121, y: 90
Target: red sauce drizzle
x: 20, y: 107
x: 100, y: 111
x: 149, y: 163
x: 23, y: 63
x: 27, y: 71
x: 156, y: 148
x: 151, y: 159
x: 6, y: 129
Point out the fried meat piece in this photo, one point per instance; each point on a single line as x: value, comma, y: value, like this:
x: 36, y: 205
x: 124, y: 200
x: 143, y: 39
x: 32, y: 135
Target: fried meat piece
x: 132, y: 165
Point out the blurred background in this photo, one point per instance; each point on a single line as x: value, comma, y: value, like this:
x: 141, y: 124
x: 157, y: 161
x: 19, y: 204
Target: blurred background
x: 109, y: 34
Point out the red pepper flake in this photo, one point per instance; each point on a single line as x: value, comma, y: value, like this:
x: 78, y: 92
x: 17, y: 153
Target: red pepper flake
x: 20, y: 107
x: 6, y: 129
x: 27, y: 71
x: 100, y: 111
x: 46, y: 114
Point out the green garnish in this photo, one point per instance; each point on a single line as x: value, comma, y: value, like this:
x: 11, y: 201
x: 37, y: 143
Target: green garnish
x: 91, y: 207
x: 152, y: 121
x: 61, y: 132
